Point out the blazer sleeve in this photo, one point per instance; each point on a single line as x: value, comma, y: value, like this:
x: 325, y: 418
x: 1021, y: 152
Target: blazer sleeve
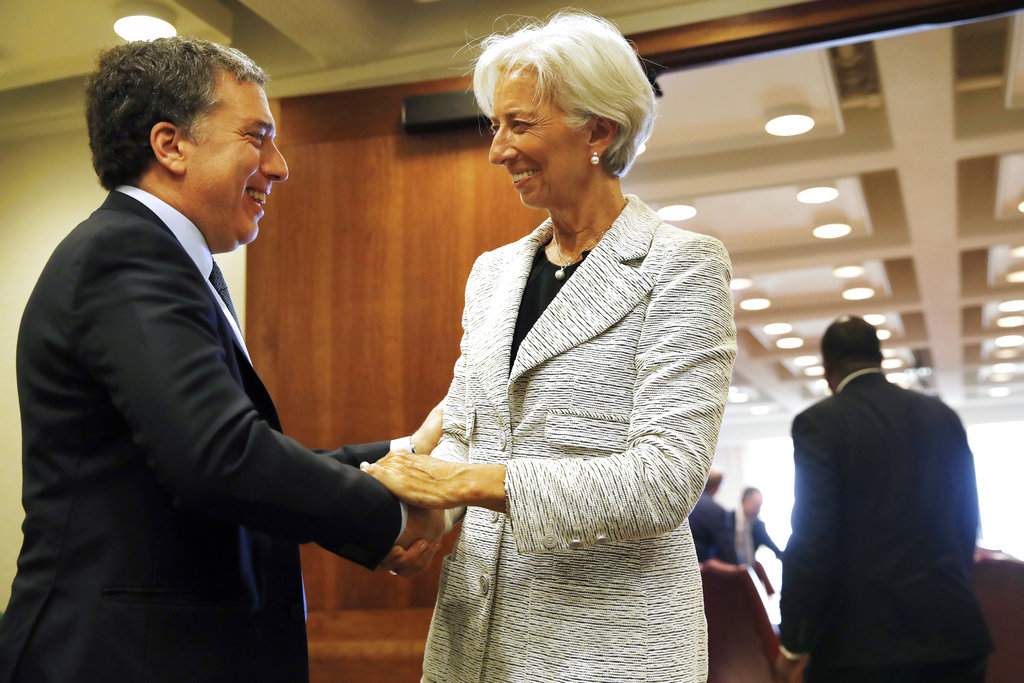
x: 146, y: 325
x: 810, y: 563
x: 683, y: 361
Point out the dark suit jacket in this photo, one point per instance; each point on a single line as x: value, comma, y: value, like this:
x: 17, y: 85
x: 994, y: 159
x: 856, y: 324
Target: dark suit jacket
x: 759, y: 534
x: 877, y: 571
x: 163, y: 506
x: 712, y: 535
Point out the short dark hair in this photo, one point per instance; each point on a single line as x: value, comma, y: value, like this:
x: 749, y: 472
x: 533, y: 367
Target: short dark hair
x: 139, y: 84
x: 850, y: 340
x: 749, y: 491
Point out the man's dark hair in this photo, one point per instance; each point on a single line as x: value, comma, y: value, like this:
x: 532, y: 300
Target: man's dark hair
x: 851, y: 340
x: 139, y: 84
x: 749, y: 491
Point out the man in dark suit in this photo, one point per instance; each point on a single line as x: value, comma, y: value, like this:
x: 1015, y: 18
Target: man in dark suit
x: 709, y: 524
x: 751, y: 532
x: 876, y: 581
x: 163, y: 505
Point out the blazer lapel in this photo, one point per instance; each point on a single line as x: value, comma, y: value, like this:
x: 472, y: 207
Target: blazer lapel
x: 606, y: 286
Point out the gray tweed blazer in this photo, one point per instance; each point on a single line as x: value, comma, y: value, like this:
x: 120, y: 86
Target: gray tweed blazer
x: 607, y: 426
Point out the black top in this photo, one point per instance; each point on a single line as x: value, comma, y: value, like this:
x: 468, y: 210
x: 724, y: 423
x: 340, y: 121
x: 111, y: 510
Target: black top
x: 541, y: 288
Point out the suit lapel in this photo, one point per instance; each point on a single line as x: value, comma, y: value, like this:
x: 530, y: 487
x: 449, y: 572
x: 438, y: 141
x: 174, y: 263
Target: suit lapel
x: 606, y: 286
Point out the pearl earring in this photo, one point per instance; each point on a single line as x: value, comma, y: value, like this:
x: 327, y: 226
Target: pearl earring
x: 595, y: 160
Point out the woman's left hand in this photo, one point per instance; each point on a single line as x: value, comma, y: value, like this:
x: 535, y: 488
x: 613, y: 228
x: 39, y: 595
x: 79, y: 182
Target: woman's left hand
x: 417, y: 479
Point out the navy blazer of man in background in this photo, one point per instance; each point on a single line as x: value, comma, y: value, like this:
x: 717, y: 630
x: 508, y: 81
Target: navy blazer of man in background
x: 710, y: 525
x: 163, y: 505
x: 876, y: 582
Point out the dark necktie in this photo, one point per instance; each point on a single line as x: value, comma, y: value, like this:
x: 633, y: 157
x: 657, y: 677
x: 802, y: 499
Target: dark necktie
x: 217, y: 280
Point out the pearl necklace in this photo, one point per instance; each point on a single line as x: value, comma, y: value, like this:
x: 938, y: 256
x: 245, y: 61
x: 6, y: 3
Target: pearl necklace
x: 590, y: 244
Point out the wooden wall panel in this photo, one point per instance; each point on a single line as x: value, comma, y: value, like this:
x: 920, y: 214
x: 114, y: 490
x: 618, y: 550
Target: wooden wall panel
x: 356, y: 288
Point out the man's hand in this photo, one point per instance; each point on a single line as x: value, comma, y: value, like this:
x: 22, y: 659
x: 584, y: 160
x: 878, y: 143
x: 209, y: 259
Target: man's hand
x: 425, y: 439
x: 790, y: 670
x: 415, y: 548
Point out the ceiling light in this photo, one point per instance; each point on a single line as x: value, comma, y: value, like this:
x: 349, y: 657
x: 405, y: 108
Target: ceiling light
x: 1003, y: 368
x: 1015, y: 276
x: 884, y: 334
x: 740, y: 283
x: 998, y: 392
x: 789, y: 343
x: 1020, y: 207
x: 897, y: 377
x: 858, y: 293
x: 804, y: 361
x: 1017, y: 252
x: 639, y: 150
x: 144, y: 21
x: 892, y: 363
x: 760, y: 410
x: 874, y: 318
x: 814, y: 371
x: 789, y: 121
x: 847, y: 272
x: 755, y: 304
x: 888, y: 353
x: 1009, y: 340
x: 1012, y: 306
x: 1010, y: 321
x: 820, y: 384
x: 831, y: 231
x: 1000, y: 377
x: 1005, y: 353
x: 677, y: 212
x: 778, y: 328
x: 737, y: 396
x: 817, y: 195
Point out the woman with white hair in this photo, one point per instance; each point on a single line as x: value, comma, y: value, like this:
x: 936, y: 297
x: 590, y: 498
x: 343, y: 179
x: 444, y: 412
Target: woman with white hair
x: 585, y: 407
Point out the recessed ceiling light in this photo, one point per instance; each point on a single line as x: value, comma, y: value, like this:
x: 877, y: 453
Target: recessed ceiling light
x: 897, y: 377
x: 847, y: 272
x: 831, y: 231
x: 738, y: 396
x: 804, y: 361
x: 875, y: 318
x: 144, y: 21
x: 1004, y: 368
x: 1015, y: 276
x: 1000, y: 377
x: 1010, y: 321
x: 789, y: 343
x: 998, y: 392
x: 884, y: 334
x: 814, y: 371
x: 888, y: 353
x: 639, y: 150
x: 858, y: 293
x: 778, y: 328
x: 677, y: 212
x: 1005, y: 353
x: 1012, y: 306
x: 1020, y: 207
x: 788, y: 125
x: 892, y: 363
x: 817, y: 195
x: 1017, y: 252
x: 755, y: 304
x: 820, y: 384
x: 760, y: 410
x: 1009, y: 341
x: 740, y: 283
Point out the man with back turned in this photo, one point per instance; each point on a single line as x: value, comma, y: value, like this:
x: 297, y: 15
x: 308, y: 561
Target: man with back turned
x: 876, y: 582
x: 163, y: 504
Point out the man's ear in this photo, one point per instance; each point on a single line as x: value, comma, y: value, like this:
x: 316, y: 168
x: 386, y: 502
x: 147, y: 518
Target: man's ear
x: 167, y: 141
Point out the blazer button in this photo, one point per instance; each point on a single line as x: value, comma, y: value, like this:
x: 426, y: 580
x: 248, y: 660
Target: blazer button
x: 601, y: 538
x: 495, y: 516
x: 297, y: 612
x: 549, y: 541
x: 502, y: 441
x: 485, y: 584
x: 575, y: 544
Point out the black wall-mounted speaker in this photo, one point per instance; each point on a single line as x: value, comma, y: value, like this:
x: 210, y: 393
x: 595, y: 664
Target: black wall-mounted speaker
x: 441, y: 111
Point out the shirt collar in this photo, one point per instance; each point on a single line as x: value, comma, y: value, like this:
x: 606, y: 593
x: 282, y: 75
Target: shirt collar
x: 186, y: 232
x: 853, y: 375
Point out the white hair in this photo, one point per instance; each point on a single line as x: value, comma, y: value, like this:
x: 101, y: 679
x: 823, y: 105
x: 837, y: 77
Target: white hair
x: 582, y: 64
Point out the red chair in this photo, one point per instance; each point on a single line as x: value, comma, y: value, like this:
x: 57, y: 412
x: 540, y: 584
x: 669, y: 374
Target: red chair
x: 999, y: 583
x: 742, y: 644
x: 763, y: 575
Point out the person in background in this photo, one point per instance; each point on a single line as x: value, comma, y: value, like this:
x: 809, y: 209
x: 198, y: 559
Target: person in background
x: 876, y: 578
x: 584, y: 411
x: 163, y: 504
x: 751, y: 532
x: 710, y: 525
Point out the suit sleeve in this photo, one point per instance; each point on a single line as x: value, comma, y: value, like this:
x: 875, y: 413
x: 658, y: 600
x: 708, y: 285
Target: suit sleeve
x: 683, y: 363
x: 146, y: 325
x: 761, y: 537
x: 810, y: 563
